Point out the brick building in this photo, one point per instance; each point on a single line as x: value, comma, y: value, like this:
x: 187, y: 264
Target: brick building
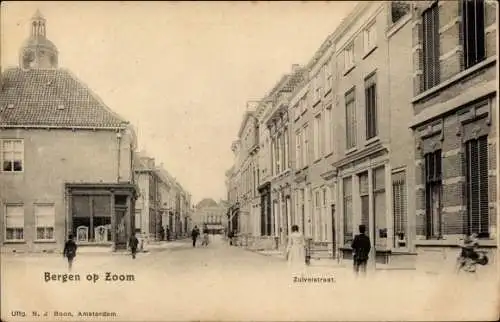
x: 455, y: 123
x: 67, y: 159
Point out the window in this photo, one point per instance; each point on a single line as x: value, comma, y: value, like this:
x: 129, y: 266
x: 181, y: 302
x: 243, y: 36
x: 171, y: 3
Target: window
x: 12, y: 155
x: 371, y: 107
x: 347, y: 187
x: 317, y: 86
x: 350, y: 112
x: 379, y: 206
x: 328, y: 76
x: 324, y: 215
x: 328, y: 130
x: 317, y: 215
x: 477, y: 187
x: 91, y: 216
x: 433, y: 192
x: 298, y: 152
x: 44, y: 220
x: 317, y: 137
x: 399, y: 9
x: 473, y: 31
x: 14, y: 222
x: 302, y: 209
x: 364, y: 199
x: 286, y: 151
x: 349, y: 57
x: 431, y: 46
x: 399, y: 209
x: 370, y: 37
x: 278, y: 154
x: 273, y: 157
x: 305, y: 146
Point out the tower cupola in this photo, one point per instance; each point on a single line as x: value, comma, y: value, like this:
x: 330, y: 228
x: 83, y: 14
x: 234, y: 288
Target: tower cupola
x: 37, y: 51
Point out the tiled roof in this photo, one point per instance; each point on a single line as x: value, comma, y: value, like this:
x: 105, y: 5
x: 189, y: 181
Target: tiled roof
x: 51, y: 97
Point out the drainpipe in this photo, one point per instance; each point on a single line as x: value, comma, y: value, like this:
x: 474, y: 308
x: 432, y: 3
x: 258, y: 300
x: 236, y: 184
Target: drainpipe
x: 118, y: 143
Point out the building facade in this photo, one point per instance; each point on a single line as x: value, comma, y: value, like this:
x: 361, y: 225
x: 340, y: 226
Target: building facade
x: 278, y: 124
x: 311, y: 108
x: 210, y: 215
x: 67, y: 159
x: 455, y: 123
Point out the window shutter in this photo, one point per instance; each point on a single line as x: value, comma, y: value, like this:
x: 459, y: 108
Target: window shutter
x: 15, y: 216
x: 477, y: 182
x: 431, y: 46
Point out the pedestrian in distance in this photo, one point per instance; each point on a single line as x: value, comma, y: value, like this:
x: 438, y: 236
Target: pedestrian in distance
x: 70, y: 251
x: 194, y: 235
x: 361, y: 247
x: 205, y: 237
x: 296, y: 249
x: 230, y: 235
x: 133, y: 243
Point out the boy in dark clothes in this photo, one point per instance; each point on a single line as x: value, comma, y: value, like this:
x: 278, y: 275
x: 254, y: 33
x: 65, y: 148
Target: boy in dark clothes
x: 133, y: 242
x: 70, y: 251
x: 361, y: 247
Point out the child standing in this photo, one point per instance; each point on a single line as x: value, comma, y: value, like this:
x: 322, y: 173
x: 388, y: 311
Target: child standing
x: 70, y: 251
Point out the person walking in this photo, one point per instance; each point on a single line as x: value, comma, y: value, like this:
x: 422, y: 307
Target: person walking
x: 361, y: 247
x: 230, y: 235
x: 133, y: 243
x: 70, y: 251
x: 194, y: 235
x: 205, y: 237
x: 295, y: 250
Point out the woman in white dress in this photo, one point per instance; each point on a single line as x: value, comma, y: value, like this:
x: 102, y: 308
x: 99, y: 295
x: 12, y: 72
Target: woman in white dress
x: 295, y: 251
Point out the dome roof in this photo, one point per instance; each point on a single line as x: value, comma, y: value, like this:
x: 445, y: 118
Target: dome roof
x: 207, y: 202
x: 39, y: 42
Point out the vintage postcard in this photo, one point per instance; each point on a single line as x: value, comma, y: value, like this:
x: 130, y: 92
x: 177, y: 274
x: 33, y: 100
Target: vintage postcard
x: 249, y: 161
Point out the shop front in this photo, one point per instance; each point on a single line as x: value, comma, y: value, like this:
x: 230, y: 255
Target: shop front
x: 100, y: 214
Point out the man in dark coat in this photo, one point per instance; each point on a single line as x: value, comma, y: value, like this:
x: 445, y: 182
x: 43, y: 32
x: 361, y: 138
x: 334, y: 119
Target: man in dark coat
x: 70, y: 251
x: 133, y: 243
x: 194, y: 235
x: 361, y: 247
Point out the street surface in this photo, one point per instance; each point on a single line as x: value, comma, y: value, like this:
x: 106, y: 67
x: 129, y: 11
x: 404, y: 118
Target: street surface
x: 219, y: 282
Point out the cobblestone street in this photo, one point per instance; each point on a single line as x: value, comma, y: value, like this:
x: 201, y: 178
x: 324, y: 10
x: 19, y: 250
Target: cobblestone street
x: 228, y: 283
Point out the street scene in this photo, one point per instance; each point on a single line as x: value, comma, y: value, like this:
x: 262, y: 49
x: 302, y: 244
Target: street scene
x: 220, y: 282
x: 184, y: 161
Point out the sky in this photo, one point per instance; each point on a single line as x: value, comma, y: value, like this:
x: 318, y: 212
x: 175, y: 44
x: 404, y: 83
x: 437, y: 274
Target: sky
x: 180, y: 72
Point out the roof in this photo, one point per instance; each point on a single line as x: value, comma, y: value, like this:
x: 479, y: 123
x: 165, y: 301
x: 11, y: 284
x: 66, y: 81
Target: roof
x: 207, y: 202
x: 52, y: 98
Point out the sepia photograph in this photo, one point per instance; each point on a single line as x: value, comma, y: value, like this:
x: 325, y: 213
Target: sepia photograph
x: 249, y: 161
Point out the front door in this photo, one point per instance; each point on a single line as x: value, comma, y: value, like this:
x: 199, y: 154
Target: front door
x: 121, y: 229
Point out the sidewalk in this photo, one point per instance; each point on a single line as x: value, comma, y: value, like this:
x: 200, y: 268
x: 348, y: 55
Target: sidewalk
x: 99, y: 251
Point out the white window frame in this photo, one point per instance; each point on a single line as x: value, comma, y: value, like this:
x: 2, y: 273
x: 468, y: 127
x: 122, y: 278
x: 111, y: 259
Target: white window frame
x: 325, y: 213
x: 298, y: 149
x: 305, y: 146
x: 53, y: 215
x: 14, y: 227
x: 349, y: 56
x: 12, y: 151
x: 370, y: 37
x: 328, y: 132
x: 316, y: 136
x: 328, y: 76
